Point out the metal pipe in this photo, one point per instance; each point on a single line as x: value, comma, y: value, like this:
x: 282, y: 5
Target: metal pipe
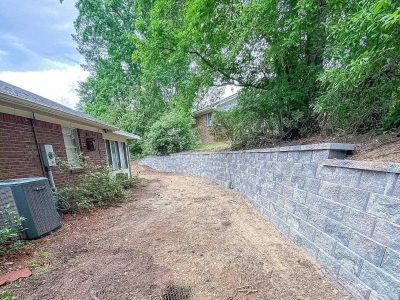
x: 33, y: 121
x: 51, y: 179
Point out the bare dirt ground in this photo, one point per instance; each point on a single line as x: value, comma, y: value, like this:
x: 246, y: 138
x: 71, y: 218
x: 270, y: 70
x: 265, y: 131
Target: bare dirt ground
x: 370, y: 147
x: 180, y: 235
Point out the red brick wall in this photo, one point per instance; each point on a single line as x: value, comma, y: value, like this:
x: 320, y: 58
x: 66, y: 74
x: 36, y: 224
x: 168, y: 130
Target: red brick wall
x: 19, y: 156
x: 203, y: 130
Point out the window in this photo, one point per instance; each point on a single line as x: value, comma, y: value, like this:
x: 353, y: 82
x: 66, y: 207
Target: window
x: 209, y: 119
x: 71, y: 142
x: 116, y: 155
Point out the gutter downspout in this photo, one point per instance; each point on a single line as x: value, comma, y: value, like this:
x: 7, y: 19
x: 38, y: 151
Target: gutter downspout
x: 33, y: 121
x: 49, y: 173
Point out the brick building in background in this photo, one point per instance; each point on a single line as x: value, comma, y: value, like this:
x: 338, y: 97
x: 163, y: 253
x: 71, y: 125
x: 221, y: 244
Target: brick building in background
x: 204, y: 117
x: 28, y: 121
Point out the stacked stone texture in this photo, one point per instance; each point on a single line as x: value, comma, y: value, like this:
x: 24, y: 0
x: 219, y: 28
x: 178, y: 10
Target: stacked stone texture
x: 345, y: 214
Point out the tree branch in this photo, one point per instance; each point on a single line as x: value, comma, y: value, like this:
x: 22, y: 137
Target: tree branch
x: 225, y: 74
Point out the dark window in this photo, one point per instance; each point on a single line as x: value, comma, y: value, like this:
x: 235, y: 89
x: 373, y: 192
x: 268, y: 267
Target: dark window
x: 109, y: 155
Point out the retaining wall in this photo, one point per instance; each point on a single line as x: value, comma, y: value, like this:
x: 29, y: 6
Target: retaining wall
x: 346, y: 214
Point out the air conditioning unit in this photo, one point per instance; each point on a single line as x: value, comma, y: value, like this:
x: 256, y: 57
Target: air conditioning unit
x: 32, y: 199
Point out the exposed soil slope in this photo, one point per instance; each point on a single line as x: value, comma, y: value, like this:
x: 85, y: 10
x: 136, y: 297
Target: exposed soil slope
x: 180, y: 234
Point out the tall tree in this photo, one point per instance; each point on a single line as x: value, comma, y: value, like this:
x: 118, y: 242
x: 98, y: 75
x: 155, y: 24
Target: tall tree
x: 113, y: 91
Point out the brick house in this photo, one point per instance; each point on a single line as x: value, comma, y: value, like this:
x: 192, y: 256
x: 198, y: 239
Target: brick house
x: 28, y: 121
x: 204, y: 117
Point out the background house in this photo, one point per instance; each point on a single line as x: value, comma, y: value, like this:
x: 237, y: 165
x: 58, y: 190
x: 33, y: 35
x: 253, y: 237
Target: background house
x: 28, y: 121
x: 204, y: 116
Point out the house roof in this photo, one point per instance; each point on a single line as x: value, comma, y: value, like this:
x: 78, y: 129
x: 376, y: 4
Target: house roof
x: 128, y: 135
x: 214, y: 105
x: 24, y: 98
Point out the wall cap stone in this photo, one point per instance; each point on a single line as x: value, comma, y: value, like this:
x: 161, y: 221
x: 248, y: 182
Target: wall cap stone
x: 363, y: 165
x: 309, y: 147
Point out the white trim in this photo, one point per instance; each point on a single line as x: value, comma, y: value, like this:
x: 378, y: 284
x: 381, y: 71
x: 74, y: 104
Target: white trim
x: 19, y: 103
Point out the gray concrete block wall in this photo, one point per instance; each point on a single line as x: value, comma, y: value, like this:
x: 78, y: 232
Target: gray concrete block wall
x: 346, y: 214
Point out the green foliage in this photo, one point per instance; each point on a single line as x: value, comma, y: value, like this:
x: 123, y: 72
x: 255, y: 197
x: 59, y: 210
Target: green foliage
x: 172, y: 133
x: 96, y: 187
x: 361, y: 77
x: 5, y: 296
x: 304, y: 66
x: 10, y: 234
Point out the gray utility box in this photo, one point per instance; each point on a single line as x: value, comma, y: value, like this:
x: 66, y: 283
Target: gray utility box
x: 32, y: 199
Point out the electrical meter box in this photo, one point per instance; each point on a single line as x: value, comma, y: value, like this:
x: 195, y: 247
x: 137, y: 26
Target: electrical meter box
x: 48, y: 155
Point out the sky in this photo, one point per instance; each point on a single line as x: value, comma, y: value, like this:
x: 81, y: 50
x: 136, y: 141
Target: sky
x: 37, y: 52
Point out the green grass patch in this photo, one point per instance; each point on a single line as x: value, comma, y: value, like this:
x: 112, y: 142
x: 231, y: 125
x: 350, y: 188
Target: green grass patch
x: 213, y: 146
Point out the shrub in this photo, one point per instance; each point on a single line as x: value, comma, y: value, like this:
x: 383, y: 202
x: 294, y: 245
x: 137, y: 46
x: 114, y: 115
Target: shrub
x: 10, y: 234
x: 5, y: 296
x: 96, y: 187
x: 172, y: 133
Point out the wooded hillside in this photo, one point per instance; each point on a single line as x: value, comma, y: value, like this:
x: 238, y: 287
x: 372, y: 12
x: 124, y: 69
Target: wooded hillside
x: 305, y: 66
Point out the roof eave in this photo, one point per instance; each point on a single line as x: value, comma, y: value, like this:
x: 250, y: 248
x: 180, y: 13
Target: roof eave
x: 42, y: 108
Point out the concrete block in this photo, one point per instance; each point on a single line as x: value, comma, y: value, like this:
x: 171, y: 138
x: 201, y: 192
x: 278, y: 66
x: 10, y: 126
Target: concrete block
x: 324, y: 242
x: 384, y: 284
x: 290, y: 206
x: 313, y: 201
x: 309, y: 170
x: 284, y: 228
x: 348, y: 259
x: 317, y: 220
x: 367, y: 248
x: 304, y: 243
x: 287, y: 192
x: 299, y: 196
x: 326, y: 173
x: 353, y: 284
x: 373, y: 181
x: 331, y: 209
x: 352, y: 197
x: 301, y: 211
x: 396, y: 188
x: 385, y: 207
x: 338, y: 231
x: 278, y: 211
x: 307, y: 230
x: 329, y: 263
x: 318, y: 155
x: 311, y: 185
x: 347, y: 177
x: 298, y: 181
x: 287, y: 169
x: 329, y: 190
x: 305, y: 156
x: 282, y: 156
x: 278, y: 187
x: 375, y: 296
x: 297, y: 167
x: 387, y: 234
x: 359, y: 221
x: 293, y: 156
x: 292, y: 221
x: 268, y: 176
x: 391, y: 183
x: 391, y: 263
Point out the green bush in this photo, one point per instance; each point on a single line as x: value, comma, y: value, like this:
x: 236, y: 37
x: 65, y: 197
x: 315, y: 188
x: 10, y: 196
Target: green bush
x: 96, y: 187
x: 10, y: 234
x: 172, y: 133
x: 5, y: 296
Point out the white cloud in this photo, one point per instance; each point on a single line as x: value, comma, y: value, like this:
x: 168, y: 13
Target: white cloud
x: 3, y: 53
x: 55, y: 84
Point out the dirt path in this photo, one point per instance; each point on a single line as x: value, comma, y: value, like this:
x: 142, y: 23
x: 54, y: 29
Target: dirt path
x: 199, y: 238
